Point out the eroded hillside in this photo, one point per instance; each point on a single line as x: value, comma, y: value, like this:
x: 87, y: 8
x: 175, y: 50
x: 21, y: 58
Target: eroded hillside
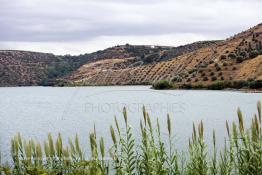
x: 233, y: 59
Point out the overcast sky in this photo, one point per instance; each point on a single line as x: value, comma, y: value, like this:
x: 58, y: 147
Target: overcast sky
x: 83, y: 26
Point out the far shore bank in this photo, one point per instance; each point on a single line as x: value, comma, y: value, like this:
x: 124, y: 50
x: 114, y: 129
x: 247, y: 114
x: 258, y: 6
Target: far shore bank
x: 174, y: 87
x: 251, y: 86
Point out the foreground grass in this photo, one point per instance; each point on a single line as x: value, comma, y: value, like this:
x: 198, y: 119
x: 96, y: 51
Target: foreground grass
x: 242, y: 152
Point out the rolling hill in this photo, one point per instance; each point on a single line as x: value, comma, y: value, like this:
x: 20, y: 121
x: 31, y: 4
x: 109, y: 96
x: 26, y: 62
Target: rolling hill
x: 236, y: 58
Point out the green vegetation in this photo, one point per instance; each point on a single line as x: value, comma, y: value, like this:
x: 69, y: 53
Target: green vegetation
x: 223, y: 57
x: 163, y: 84
x: 215, y: 84
x: 62, y: 66
x: 219, y: 85
x: 254, y: 54
x: 151, y: 154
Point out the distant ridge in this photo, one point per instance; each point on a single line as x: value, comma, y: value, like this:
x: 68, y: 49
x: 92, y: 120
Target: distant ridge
x: 236, y: 58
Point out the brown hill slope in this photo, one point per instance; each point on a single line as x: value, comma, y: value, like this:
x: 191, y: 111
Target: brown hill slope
x: 23, y: 68
x: 232, y: 59
x: 20, y: 68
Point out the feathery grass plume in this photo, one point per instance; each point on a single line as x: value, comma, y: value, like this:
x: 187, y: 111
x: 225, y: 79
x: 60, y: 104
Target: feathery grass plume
x: 19, y: 140
x: 102, y: 147
x: 95, y: 130
x: 228, y: 130
x: 104, y: 168
x: 213, y: 167
x: 225, y: 166
x: 259, y: 110
x: 125, y: 115
x: 198, y: 163
x: 15, y: 156
x: 113, y: 135
x: 161, y: 157
x: 51, y: 146
x: 127, y: 143
x: 39, y: 154
x: 93, y: 145
x: 59, y: 146
x: 144, y: 114
x: 67, y: 159
x: 235, y: 134
x: 47, y: 150
x: 149, y: 125
x: 240, y: 120
x: 254, y: 129
x: 27, y: 150
x: 169, y: 125
x: 72, y: 149
x: 117, y: 125
x: 78, y: 149
x: 115, y: 154
x: 94, y: 163
x: 145, y: 162
x: 201, y: 130
x: 172, y: 158
x: 194, y: 136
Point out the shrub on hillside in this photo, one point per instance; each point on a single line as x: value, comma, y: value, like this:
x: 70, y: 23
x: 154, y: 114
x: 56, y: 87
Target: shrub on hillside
x: 177, y: 79
x: 163, y: 84
x: 256, y: 84
x: 239, y: 84
x: 239, y: 59
x: 219, y: 85
x: 223, y: 57
x: 232, y: 55
x: 198, y: 85
x: 253, y: 54
x: 218, y: 68
x: 186, y: 86
x: 203, y: 65
x: 188, y: 80
x: 213, y: 78
x: 243, y: 54
x: 205, y: 79
x: 191, y: 71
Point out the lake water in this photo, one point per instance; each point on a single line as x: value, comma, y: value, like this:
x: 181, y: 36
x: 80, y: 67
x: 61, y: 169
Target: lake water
x: 35, y: 111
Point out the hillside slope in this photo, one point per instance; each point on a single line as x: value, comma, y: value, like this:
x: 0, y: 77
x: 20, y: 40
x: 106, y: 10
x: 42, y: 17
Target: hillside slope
x: 20, y: 68
x: 233, y: 59
x: 23, y: 68
x: 236, y: 58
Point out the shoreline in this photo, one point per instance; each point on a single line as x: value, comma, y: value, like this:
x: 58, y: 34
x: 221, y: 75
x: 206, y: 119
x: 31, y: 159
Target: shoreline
x: 227, y: 89
x: 244, y: 90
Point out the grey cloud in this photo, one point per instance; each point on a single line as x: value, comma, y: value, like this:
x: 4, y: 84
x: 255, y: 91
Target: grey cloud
x: 82, y: 20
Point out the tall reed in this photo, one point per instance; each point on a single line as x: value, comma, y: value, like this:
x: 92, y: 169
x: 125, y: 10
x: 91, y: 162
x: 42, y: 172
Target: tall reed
x: 151, y: 154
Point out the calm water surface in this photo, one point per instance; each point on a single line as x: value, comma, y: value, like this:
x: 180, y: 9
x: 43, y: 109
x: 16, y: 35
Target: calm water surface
x: 35, y: 111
